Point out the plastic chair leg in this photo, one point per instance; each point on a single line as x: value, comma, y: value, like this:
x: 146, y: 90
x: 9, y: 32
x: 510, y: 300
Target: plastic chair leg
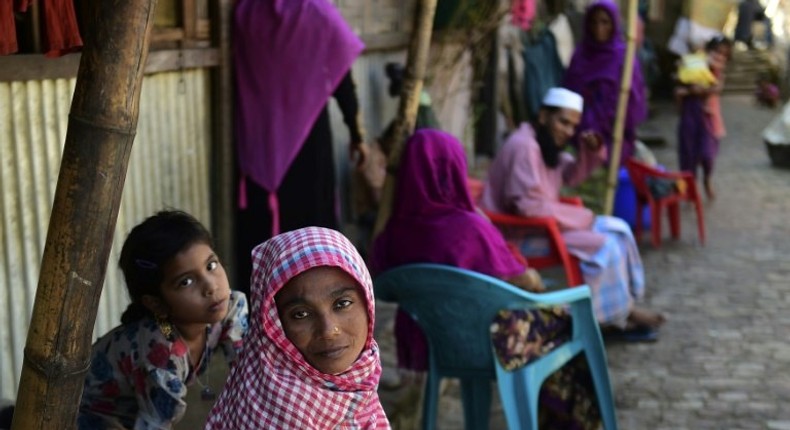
x: 574, y: 272
x: 430, y: 401
x: 531, y: 391
x: 476, y: 395
x: 596, y: 361
x: 638, y: 226
x: 655, y: 213
x: 674, y: 219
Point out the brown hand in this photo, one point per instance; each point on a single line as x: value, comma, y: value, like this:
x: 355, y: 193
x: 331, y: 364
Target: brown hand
x: 591, y: 140
x: 358, y: 151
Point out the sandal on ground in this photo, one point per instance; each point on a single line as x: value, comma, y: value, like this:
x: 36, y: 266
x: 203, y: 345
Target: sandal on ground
x: 635, y: 334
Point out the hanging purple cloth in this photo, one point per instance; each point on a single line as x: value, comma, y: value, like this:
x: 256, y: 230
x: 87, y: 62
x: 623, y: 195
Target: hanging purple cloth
x: 595, y: 73
x: 434, y: 221
x: 289, y: 56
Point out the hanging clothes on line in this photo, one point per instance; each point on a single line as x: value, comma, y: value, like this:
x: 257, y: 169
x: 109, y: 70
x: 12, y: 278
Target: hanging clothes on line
x: 542, y: 68
x: 511, y: 71
x: 522, y: 13
x: 561, y: 29
x: 61, y: 33
x: 7, y: 28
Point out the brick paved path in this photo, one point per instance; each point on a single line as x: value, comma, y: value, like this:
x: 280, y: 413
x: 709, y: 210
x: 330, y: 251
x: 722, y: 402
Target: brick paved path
x: 723, y: 360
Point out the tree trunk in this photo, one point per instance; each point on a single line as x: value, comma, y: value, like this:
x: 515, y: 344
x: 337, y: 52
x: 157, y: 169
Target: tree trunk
x: 622, y: 107
x: 409, y: 103
x: 101, y: 129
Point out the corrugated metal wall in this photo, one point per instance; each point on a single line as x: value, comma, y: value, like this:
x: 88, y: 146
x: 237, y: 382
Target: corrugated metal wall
x: 169, y: 167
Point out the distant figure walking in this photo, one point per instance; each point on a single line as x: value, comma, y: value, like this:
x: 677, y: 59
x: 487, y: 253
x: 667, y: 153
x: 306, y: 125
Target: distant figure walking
x: 750, y: 11
x: 701, y: 126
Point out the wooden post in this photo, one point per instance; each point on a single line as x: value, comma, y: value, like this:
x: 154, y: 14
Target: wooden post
x: 223, y: 158
x: 622, y: 107
x: 486, y: 98
x: 101, y: 129
x: 416, y: 62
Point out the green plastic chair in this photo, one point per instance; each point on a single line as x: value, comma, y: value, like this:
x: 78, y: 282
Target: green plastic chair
x: 455, y: 308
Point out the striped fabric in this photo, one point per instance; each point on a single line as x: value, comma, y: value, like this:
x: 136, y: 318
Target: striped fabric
x: 615, y: 273
x: 272, y: 386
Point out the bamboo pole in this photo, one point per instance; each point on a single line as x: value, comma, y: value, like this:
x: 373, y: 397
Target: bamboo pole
x: 101, y: 130
x: 622, y: 108
x: 414, y: 75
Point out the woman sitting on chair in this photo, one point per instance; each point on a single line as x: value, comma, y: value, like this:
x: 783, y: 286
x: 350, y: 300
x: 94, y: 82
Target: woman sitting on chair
x: 434, y: 221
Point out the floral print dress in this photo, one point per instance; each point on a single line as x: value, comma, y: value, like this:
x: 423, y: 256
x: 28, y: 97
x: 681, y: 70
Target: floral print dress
x: 567, y: 397
x: 138, y: 377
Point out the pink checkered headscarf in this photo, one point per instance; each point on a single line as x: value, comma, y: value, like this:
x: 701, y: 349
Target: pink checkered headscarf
x: 271, y: 385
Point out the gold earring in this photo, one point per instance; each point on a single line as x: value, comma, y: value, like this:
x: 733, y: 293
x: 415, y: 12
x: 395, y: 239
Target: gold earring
x: 165, y: 326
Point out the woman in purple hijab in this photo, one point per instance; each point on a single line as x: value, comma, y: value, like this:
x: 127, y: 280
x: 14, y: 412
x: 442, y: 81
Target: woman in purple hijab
x: 595, y: 72
x: 290, y: 57
x: 435, y: 221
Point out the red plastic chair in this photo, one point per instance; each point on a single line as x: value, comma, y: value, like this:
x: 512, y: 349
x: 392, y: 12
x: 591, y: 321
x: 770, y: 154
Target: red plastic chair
x: 557, y: 253
x: 640, y: 173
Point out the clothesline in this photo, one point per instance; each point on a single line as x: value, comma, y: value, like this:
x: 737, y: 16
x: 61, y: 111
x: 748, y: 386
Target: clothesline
x: 61, y: 33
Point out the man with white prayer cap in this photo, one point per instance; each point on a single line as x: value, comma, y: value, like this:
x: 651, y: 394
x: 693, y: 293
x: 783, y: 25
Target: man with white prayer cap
x: 562, y: 98
x: 525, y: 179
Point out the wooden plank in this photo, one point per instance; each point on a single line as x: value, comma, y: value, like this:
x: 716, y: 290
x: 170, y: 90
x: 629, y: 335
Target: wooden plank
x: 203, y: 30
x: 35, y: 12
x: 178, y: 59
x: 38, y: 67
x: 385, y: 41
x: 170, y: 34
x: 189, y: 18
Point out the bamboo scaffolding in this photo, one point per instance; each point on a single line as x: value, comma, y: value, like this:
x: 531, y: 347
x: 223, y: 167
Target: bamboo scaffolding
x: 414, y: 75
x: 101, y: 130
x: 622, y: 107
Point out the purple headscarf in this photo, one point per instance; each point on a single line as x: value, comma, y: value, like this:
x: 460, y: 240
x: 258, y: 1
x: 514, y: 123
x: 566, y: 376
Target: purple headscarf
x: 289, y: 57
x: 434, y: 219
x: 595, y: 73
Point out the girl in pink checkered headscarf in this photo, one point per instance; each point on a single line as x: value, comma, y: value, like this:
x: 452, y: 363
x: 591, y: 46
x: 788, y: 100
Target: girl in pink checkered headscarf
x: 309, y: 360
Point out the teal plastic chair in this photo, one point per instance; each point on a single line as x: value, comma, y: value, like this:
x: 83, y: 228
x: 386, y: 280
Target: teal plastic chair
x: 455, y: 308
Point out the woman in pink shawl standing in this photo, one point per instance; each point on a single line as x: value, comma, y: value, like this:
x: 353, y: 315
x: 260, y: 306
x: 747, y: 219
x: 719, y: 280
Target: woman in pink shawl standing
x: 595, y: 72
x: 309, y: 359
x: 290, y: 57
